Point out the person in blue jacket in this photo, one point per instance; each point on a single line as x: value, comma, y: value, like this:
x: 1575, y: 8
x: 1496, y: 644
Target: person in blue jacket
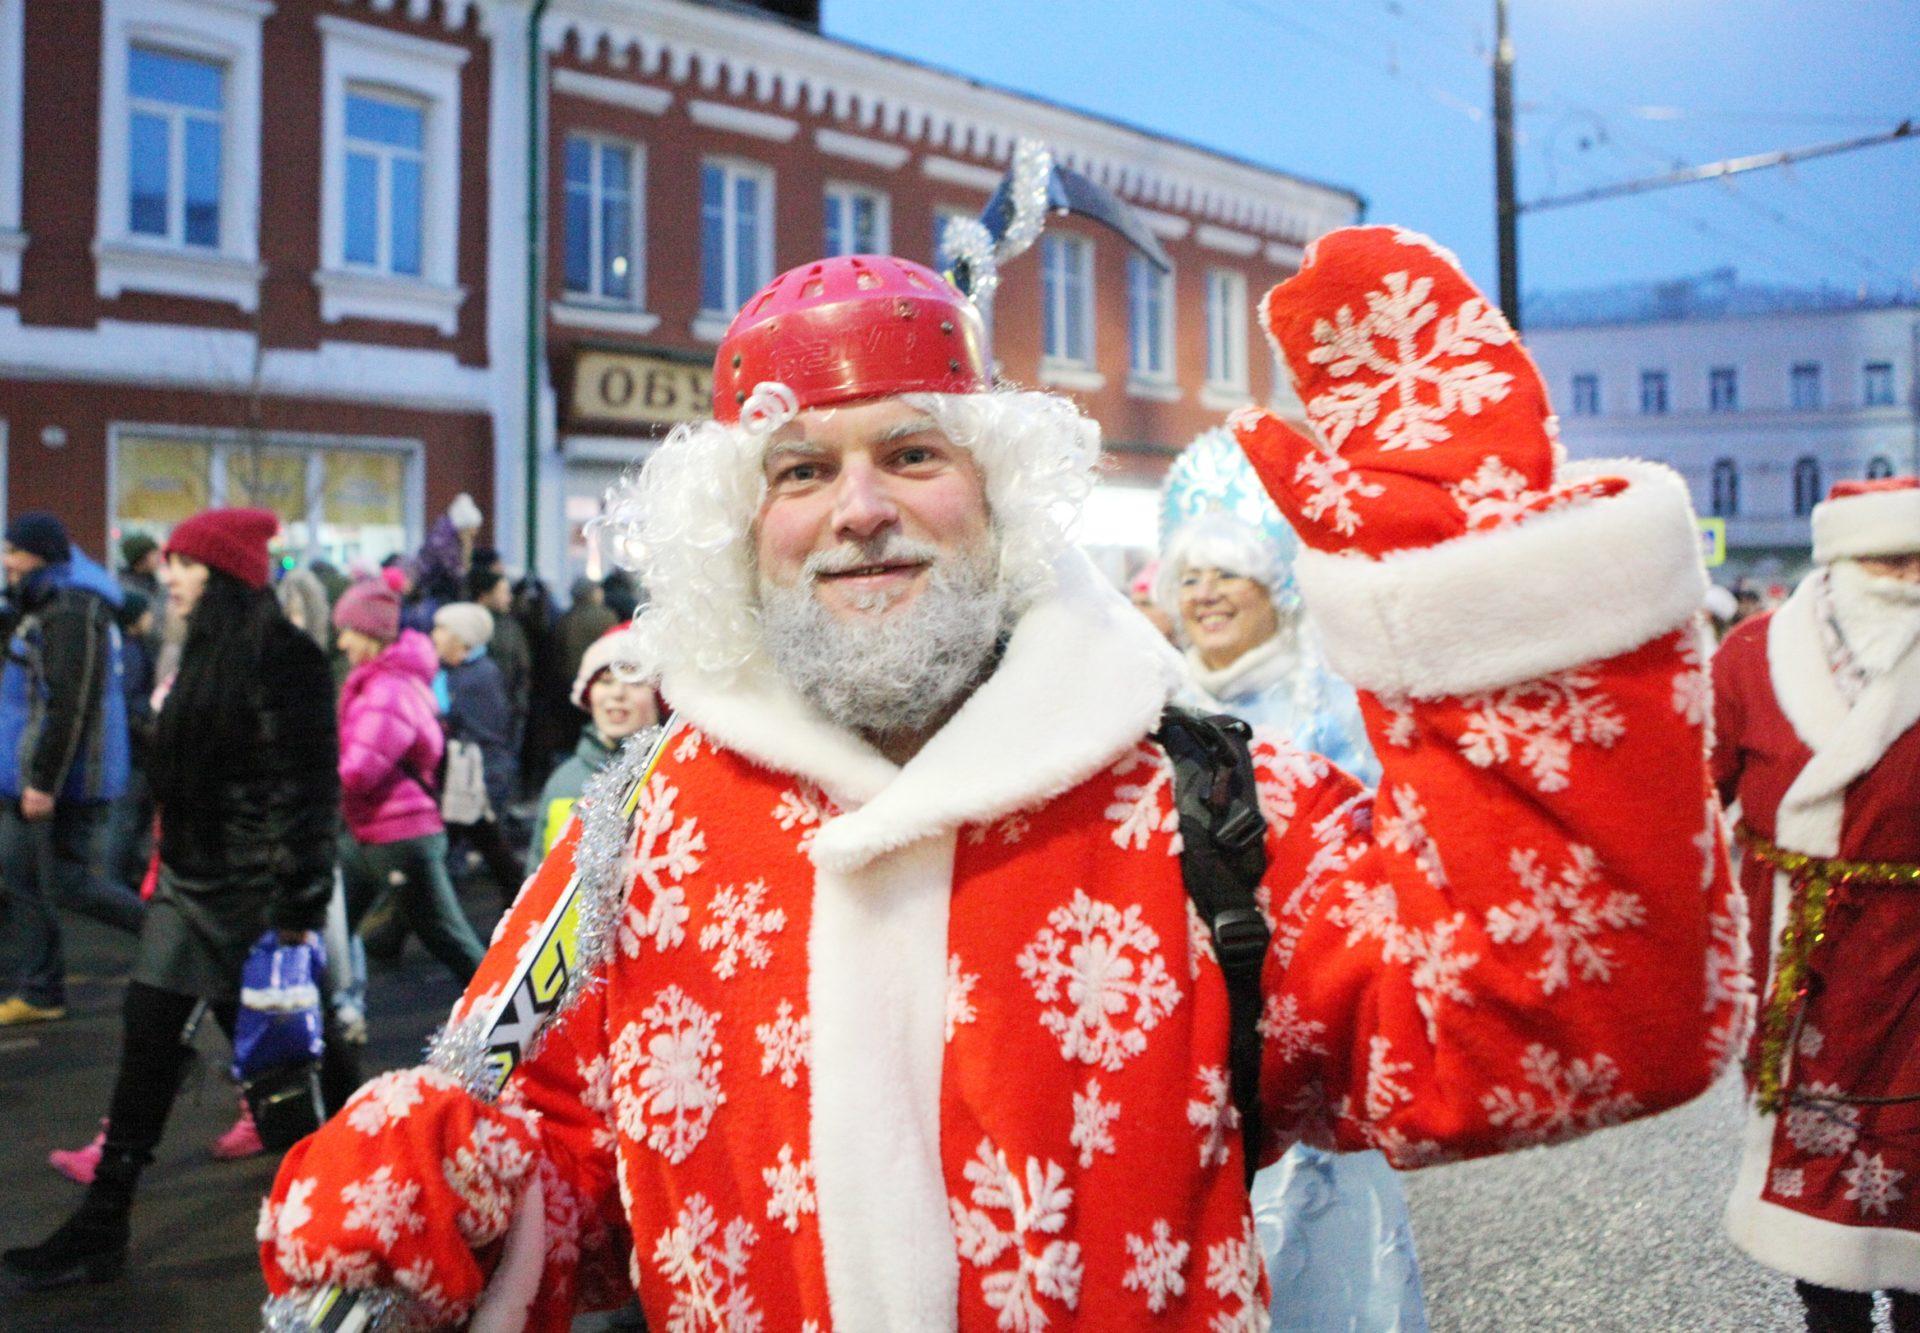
x: 1334, y: 1228
x: 472, y: 694
x: 63, y: 759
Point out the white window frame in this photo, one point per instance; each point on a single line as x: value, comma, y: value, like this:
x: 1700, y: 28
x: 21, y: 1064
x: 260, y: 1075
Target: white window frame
x: 227, y: 31
x: 13, y: 241
x: 360, y: 57
x: 637, y: 209
x: 385, y: 157
x: 1063, y: 366
x: 844, y: 193
x: 178, y: 119
x: 709, y: 324
x: 1144, y: 382
x: 1227, y: 316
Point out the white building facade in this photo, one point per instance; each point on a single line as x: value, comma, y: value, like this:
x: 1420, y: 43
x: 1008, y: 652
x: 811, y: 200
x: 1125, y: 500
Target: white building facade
x: 1761, y: 398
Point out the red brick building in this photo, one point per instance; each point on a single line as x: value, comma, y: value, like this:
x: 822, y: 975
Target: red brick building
x: 278, y: 252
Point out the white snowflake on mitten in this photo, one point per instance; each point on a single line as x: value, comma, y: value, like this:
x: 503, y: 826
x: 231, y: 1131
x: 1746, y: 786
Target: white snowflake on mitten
x: 1432, y: 955
x: 1233, y: 1274
x: 1289, y: 1034
x: 785, y: 1044
x: 1157, y: 1265
x: 1567, y: 1098
x: 486, y: 1172
x: 389, y: 1097
x: 1099, y: 974
x: 1400, y: 825
x: 1093, y: 1118
x: 666, y: 1071
x: 707, y: 1270
x: 1568, y: 916
x: 1539, y: 722
x: 791, y: 1189
x: 1493, y: 496
x: 1041, y: 1268
x: 1330, y: 485
x: 739, y: 928
x: 659, y: 866
x: 383, y: 1205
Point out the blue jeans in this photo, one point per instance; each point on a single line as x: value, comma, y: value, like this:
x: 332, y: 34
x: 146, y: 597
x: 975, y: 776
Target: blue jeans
x: 47, y: 864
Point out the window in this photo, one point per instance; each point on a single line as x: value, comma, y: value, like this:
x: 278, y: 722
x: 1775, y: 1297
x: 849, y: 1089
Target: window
x: 1149, y: 319
x: 386, y: 169
x: 1653, y: 392
x: 1723, y: 389
x: 1586, y: 395
x: 1806, y: 485
x: 1878, y: 467
x: 1876, y: 384
x: 1226, y: 328
x: 856, y: 221
x: 1726, y: 488
x: 1803, y: 386
x: 174, y: 130
x: 736, y: 234
x: 603, y: 219
x: 1067, y: 299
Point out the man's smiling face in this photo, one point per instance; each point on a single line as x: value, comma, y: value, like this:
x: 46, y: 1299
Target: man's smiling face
x: 863, y: 502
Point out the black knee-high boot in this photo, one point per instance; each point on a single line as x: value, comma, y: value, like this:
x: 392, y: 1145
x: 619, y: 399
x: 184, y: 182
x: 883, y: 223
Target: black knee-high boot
x: 90, y: 1246
x: 1832, y: 1311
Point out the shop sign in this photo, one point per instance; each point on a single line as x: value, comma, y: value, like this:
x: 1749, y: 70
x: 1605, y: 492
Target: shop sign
x: 271, y: 479
x: 631, y: 388
x: 363, y: 489
x: 161, y: 482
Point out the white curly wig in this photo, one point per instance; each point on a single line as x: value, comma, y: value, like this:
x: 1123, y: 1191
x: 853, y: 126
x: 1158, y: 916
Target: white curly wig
x: 1217, y: 540
x: 684, y: 521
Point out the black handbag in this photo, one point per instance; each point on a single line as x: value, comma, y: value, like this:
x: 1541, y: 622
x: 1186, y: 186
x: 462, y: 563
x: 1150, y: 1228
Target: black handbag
x: 285, y: 1103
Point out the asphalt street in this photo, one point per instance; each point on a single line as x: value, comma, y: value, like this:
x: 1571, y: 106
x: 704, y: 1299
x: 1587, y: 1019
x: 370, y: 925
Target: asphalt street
x: 1620, y: 1231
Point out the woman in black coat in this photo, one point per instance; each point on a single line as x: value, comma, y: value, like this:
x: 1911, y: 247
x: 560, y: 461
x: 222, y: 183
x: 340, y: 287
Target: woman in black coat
x: 244, y: 768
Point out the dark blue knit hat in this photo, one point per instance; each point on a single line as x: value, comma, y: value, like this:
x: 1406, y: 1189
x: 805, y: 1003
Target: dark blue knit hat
x: 39, y: 533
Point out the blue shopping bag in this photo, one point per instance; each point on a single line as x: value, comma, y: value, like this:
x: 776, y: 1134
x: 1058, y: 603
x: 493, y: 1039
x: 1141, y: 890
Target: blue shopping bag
x: 278, y: 1039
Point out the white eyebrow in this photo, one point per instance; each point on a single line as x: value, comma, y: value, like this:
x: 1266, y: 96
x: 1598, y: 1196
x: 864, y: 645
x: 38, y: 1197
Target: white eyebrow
x: 914, y: 426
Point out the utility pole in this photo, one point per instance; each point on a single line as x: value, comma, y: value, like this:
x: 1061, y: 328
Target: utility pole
x: 1506, y: 208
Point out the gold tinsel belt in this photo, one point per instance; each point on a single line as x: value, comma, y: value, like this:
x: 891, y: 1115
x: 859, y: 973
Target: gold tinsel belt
x: 1815, y: 881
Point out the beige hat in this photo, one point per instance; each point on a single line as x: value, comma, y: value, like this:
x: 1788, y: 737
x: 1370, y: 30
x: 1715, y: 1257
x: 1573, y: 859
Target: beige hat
x: 470, y: 622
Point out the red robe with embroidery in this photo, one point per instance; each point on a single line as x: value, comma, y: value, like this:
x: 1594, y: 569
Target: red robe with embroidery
x: 942, y: 1046
x: 1829, y: 1191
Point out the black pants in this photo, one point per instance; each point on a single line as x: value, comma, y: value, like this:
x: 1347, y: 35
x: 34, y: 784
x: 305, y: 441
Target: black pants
x: 488, y: 838
x: 154, y: 1056
x: 1832, y: 1311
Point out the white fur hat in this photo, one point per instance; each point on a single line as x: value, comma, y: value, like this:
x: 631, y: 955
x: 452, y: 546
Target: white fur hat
x: 621, y: 647
x: 470, y: 621
x: 464, y: 513
x: 1868, y: 518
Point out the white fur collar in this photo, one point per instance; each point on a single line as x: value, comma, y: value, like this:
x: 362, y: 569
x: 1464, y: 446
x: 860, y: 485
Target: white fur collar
x: 1846, y: 742
x: 1260, y: 666
x: 1083, y: 677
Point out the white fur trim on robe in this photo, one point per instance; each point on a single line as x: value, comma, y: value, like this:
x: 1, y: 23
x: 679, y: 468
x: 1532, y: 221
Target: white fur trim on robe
x: 1490, y: 609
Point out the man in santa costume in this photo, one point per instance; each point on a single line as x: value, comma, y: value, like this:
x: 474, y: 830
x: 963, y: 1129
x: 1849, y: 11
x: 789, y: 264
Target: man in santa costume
x: 1817, y: 720
x: 892, y: 1010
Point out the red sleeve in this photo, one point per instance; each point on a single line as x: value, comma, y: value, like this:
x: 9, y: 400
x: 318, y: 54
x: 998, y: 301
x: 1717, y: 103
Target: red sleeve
x: 1732, y: 671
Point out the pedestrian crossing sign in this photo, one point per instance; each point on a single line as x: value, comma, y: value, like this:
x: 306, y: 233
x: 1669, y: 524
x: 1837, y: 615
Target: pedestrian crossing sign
x: 1713, y: 541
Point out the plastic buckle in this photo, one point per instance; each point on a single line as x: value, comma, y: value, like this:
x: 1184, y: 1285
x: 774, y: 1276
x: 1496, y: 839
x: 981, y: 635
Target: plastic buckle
x: 1240, y: 936
x: 1241, y: 829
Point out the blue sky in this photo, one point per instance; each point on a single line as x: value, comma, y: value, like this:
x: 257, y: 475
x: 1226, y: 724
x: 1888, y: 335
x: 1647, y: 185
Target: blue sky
x: 1390, y: 96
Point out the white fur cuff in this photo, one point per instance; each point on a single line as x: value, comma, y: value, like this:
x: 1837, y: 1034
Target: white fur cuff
x: 1580, y: 584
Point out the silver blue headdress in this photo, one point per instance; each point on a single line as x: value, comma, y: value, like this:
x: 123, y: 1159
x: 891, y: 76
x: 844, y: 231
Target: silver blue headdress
x: 1212, y: 476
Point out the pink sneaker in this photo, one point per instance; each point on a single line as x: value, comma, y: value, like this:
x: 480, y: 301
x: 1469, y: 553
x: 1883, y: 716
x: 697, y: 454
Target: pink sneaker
x: 243, y: 1140
x: 79, y: 1164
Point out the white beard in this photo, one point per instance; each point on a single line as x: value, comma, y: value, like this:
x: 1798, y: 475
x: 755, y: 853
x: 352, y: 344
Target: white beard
x: 892, y: 674
x: 1878, y: 616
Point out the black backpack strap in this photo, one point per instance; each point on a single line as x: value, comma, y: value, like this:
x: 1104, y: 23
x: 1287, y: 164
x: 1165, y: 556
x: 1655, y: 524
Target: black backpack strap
x: 1222, y: 859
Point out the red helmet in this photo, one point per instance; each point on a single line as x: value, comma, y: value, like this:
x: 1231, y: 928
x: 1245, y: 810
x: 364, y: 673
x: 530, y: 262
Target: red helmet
x: 859, y: 326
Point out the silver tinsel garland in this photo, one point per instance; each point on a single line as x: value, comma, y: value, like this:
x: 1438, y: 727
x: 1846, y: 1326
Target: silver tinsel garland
x: 967, y: 240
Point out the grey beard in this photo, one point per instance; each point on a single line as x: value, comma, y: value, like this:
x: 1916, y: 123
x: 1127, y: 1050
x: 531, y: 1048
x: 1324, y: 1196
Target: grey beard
x: 887, y: 675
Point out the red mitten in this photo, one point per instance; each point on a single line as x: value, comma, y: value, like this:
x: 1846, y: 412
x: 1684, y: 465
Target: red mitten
x: 1432, y: 419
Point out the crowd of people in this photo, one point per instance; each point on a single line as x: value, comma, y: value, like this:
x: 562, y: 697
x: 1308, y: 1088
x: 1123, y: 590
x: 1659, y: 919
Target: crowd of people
x: 914, y: 988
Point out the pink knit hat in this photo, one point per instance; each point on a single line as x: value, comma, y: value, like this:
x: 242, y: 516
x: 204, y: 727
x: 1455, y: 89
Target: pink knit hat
x: 370, y: 607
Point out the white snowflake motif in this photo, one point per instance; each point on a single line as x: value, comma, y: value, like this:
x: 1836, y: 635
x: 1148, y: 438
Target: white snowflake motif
x: 1042, y: 1268
x: 1400, y: 825
x: 689, y: 746
x: 416, y: 1279
x: 596, y: 1095
x: 1871, y: 1182
x: 1331, y: 485
x: 1812, y: 1039
x: 1280, y: 771
x: 1233, y: 1274
x: 666, y: 1072
x: 1403, y: 374
x: 389, y: 1097
x: 382, y: 1205
x: 1093, y: 1120
x: 1214, y: 1115
x: 1789, y: 1182
x: 1566, y: 916
x: 1542, y: 720
x: 486, y: 1173
x: 1730, y: 981
x: 805, y: 808
x: 1011, y: 829
x: 1143, y: 808
x: 1156, y: 1266
x: 1819, y: 1125
x: 785, y: 1044
x: 739, y: 928
x: 1288, y: 1033
x: 1099, y: 973
x: 1493, y: 496
x: 960, y: 1007
x: 707, y: 1269
x: 1433, y: 956
x: 660, y: 868
x: 1693, y: 684
x: 1384, y: 1088
x: 1401, y: 729
x: 1199, y: 941
x: 792, y: 1194
x: 1573, y: 1097
x: 291, y: 1215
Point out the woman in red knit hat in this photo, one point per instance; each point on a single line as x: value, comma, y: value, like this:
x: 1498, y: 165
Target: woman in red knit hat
x: 244, y: 767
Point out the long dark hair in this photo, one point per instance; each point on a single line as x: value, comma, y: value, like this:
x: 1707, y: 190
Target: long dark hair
x: 207, y: 721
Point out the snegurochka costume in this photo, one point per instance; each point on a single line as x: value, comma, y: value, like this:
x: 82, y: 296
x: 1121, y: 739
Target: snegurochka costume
x: 1817, y: 714
x: 941, y: 1046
